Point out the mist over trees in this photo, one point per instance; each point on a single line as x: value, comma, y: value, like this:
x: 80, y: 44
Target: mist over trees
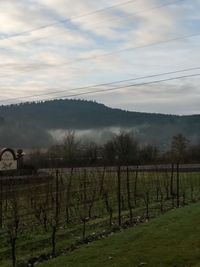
x: 24, y: 135
x: 40, y: 124
x: 123, y: 149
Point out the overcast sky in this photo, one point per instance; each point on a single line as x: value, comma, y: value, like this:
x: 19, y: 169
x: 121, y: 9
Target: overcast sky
x: 48, y: 46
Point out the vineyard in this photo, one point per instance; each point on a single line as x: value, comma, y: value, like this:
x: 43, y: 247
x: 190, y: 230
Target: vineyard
x: 46, y: 215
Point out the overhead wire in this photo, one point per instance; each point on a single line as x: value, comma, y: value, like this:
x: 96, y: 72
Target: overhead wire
x: 65, y: 20
x: 123, y: 87
x: 131, y: 85
x: 111, y: 53
x: 102, y: 22
x: 102, y: 84
x: 87, y: 58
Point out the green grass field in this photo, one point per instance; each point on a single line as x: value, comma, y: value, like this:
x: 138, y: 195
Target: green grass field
x: 171, y: 240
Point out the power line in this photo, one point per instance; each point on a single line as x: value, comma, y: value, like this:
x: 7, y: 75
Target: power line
x: 115, y: 52
x: 103, y: 84
x: 111, y: 19
x: 130, y: 49
x: 115, y: 82
x: 66, y: 20
x: 132, y: 85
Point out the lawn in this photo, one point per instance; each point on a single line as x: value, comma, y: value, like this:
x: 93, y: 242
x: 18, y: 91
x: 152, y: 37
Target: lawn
x: 171, y: 240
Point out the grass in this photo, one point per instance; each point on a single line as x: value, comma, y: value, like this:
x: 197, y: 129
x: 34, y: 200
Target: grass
x: 171, y: 240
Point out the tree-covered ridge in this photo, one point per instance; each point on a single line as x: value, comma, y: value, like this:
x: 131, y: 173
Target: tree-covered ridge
x: 22, y: 124
x: 82, y: 114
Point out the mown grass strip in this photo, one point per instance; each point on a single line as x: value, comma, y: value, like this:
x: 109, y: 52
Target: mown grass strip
x: 171, y: 240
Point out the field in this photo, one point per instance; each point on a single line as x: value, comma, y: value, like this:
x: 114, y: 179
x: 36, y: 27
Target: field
x: 43, y: 217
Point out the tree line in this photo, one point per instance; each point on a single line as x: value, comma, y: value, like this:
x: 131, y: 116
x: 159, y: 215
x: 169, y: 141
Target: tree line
x: 122, y: 149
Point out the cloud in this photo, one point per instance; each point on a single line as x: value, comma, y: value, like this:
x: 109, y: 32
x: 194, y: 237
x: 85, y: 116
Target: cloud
x: 70, y: 53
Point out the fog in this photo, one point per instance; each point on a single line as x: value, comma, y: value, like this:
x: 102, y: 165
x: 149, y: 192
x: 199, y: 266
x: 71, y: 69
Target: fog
x: 100, y: 136
x: 145, y: 134
x: 28, y: 135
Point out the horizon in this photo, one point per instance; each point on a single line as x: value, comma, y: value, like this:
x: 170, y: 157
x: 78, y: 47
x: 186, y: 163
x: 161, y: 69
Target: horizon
x: 94, y: 101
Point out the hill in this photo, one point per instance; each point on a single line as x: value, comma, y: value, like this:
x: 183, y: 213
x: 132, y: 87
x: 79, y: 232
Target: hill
x: 170, y: 240
x: 36, y: 119
x: 79, y: 114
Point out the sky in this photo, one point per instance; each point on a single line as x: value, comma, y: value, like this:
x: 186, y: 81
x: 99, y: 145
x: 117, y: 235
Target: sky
x: 63, y: 49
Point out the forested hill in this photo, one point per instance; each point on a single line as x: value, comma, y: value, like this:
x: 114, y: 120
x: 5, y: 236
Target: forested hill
x: 31, y: 121
x: 80, y: 114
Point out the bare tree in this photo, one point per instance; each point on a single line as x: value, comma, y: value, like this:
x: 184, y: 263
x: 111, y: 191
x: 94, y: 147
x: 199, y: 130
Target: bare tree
x: 68, y: 195
x: 179, y: 146
x: 12, y: 224
x: 70, y: 148
x: 129, y: 195
x: 54, y: 215
x: 125, y: 148
x: 92, y: 195
x: 146, y: 201
x: 135, y: 186
x: 108, y: 204
x: 91, y: 151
